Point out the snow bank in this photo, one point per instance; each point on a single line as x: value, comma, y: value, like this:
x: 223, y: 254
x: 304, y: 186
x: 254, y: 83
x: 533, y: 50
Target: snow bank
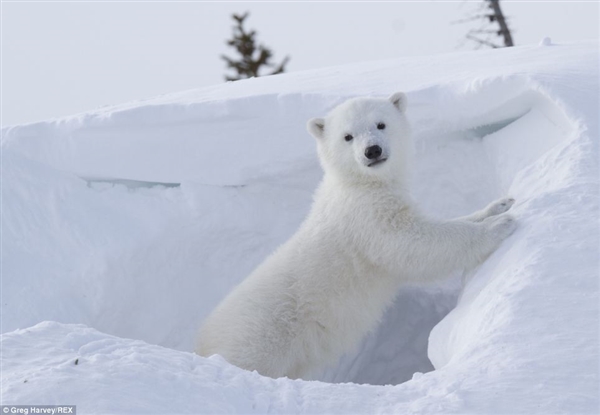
x: 136, y: 220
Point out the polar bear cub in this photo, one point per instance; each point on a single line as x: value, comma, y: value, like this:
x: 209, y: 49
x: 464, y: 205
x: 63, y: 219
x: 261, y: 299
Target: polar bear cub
x: 319, y: 293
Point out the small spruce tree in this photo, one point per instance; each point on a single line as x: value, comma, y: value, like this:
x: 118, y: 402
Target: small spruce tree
x: 253, y: 57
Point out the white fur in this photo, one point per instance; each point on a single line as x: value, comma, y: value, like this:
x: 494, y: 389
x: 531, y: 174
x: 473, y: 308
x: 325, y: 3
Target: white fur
x: 318, y: 294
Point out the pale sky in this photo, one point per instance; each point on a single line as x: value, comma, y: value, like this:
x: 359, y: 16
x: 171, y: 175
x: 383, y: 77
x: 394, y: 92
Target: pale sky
x: 62, y: 58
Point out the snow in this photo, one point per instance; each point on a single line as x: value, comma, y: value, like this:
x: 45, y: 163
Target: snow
x: 122, y: 228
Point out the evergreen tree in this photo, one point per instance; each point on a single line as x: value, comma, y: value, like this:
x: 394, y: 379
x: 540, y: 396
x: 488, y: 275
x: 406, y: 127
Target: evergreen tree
x: 253, y: 57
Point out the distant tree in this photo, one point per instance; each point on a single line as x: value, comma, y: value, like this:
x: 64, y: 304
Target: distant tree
x: 253, y: 57
x: 494, y: 24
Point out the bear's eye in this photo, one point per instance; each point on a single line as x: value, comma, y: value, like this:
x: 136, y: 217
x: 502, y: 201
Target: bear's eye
x: 348, y: 137
x: 380, y: 126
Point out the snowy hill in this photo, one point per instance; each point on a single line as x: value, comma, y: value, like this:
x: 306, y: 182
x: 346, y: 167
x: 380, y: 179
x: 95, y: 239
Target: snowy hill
x: 122, y: 228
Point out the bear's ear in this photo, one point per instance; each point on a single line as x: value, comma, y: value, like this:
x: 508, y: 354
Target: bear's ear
x: 399, y: 101
x: 316, y: 126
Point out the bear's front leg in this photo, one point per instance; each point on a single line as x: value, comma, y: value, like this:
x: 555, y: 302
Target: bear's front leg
x: 431, y: 249
x: 493, y: 209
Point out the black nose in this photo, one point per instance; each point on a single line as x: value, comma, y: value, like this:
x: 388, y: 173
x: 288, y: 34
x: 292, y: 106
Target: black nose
x: 373, y: 152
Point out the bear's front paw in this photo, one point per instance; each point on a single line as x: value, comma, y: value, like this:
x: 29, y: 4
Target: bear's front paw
x: 502, y: 226
x: 499, y: 206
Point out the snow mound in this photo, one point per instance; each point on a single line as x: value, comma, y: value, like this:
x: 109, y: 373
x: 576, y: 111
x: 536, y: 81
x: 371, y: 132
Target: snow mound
x: 137, y: 220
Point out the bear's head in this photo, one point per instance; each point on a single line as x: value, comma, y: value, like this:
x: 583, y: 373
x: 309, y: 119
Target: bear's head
x: 365, y: 139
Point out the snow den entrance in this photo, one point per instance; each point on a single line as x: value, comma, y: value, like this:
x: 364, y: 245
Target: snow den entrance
x: 148, y: 254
